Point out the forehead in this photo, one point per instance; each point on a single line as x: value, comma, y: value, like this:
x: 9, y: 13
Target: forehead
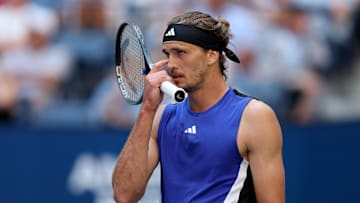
x: 168, y: 45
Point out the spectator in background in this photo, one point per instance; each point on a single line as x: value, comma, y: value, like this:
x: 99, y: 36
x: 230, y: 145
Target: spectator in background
x: 116, y: 13
x: 8, y: 94
x: 245, y: 22
x: 282, y: 74
x: 38, y: 69
x: 356, y: 28
x: 269, y: 7
x: 14, y: 19
x: 291, y: 44
x: 85, y: 33
x: 13, y: 34
x: 339, y: 38
x: 107, y: 108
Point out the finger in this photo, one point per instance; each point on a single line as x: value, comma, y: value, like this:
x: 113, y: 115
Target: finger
x: 157, y: 78
x: 158, y: 65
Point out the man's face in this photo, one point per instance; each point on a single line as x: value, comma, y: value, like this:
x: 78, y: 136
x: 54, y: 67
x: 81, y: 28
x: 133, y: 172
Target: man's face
x: 187, y: 64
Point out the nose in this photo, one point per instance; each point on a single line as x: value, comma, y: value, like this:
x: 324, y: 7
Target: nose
x: 171, y: 63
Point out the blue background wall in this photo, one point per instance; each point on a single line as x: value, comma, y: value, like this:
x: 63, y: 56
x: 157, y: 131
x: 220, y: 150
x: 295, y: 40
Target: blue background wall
x: 321, y: 163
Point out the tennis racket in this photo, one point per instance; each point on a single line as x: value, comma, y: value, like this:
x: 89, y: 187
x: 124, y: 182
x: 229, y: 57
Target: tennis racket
x: 133, y: 62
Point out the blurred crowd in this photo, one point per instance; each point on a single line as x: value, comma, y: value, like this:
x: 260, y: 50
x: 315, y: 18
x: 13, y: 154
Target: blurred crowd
x: 57, y: 57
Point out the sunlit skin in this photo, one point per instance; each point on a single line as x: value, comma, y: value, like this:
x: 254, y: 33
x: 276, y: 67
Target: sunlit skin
x: 191, y: 63
x: 187, y: 64
x: 197, y: 71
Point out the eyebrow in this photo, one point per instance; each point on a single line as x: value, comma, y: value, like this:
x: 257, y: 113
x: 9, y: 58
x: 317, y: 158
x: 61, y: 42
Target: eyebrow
x: 172, y: 49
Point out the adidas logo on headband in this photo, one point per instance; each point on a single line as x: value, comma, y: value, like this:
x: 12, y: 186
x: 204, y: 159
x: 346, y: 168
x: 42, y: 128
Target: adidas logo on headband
x: 170, y: 33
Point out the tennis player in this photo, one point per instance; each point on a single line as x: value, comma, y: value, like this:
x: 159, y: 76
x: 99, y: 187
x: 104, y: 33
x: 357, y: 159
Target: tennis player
x: 216, y: 146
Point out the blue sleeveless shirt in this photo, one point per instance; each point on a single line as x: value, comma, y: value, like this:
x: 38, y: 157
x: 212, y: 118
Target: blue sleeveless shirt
x: 199, y: 157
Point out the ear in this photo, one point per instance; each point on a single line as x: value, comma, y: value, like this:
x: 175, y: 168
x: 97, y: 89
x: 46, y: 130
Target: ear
x: 213, y: 57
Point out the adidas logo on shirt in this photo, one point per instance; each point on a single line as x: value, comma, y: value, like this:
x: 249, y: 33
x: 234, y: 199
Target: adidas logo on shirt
x: 191, y: 130
x: 170, y: 33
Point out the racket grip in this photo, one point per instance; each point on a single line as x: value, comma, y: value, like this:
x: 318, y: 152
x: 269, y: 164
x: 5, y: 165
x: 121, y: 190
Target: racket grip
x: 176, y: 93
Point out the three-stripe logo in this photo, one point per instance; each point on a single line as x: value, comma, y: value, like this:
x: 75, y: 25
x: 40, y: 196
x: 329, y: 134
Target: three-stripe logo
x: 191, y: 130
x: 170, y: 33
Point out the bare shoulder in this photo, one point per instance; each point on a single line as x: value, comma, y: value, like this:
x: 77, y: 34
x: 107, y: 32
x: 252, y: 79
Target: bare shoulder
x: 261, y: 137
x: 257, y: 111
x: 259, y: 127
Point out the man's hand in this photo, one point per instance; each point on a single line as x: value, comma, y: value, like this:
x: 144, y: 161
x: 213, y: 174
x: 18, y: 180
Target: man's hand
x: 152, y: 93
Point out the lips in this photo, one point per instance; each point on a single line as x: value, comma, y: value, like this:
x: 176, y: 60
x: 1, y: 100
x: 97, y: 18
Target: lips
x: 177, y: 78
x: 176, y: 75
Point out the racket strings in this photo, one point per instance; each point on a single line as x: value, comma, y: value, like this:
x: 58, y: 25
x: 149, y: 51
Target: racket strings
x: 132, y: 60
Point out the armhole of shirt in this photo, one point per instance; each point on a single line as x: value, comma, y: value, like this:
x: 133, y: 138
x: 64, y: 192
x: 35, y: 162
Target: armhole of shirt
x: 163, y: 118
x: 246, y: 100
x: 238, y: 93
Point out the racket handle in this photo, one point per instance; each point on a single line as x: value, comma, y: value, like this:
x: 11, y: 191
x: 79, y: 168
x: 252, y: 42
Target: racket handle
x: 173, y: 91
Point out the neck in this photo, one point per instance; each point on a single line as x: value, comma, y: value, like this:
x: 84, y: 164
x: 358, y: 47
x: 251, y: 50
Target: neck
x: 207, y: 96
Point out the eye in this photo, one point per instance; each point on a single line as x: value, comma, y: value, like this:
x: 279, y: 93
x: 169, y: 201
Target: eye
x: 180, y: 52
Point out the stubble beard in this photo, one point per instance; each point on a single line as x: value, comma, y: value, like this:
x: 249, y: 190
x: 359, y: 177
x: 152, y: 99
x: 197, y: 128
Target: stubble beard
x: 193, y: 87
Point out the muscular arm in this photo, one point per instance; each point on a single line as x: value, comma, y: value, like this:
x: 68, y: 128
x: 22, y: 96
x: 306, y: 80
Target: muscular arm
x: 131, y: 171
x: 140, y: 154
x: 262, y: 136
x: 137, y: 159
